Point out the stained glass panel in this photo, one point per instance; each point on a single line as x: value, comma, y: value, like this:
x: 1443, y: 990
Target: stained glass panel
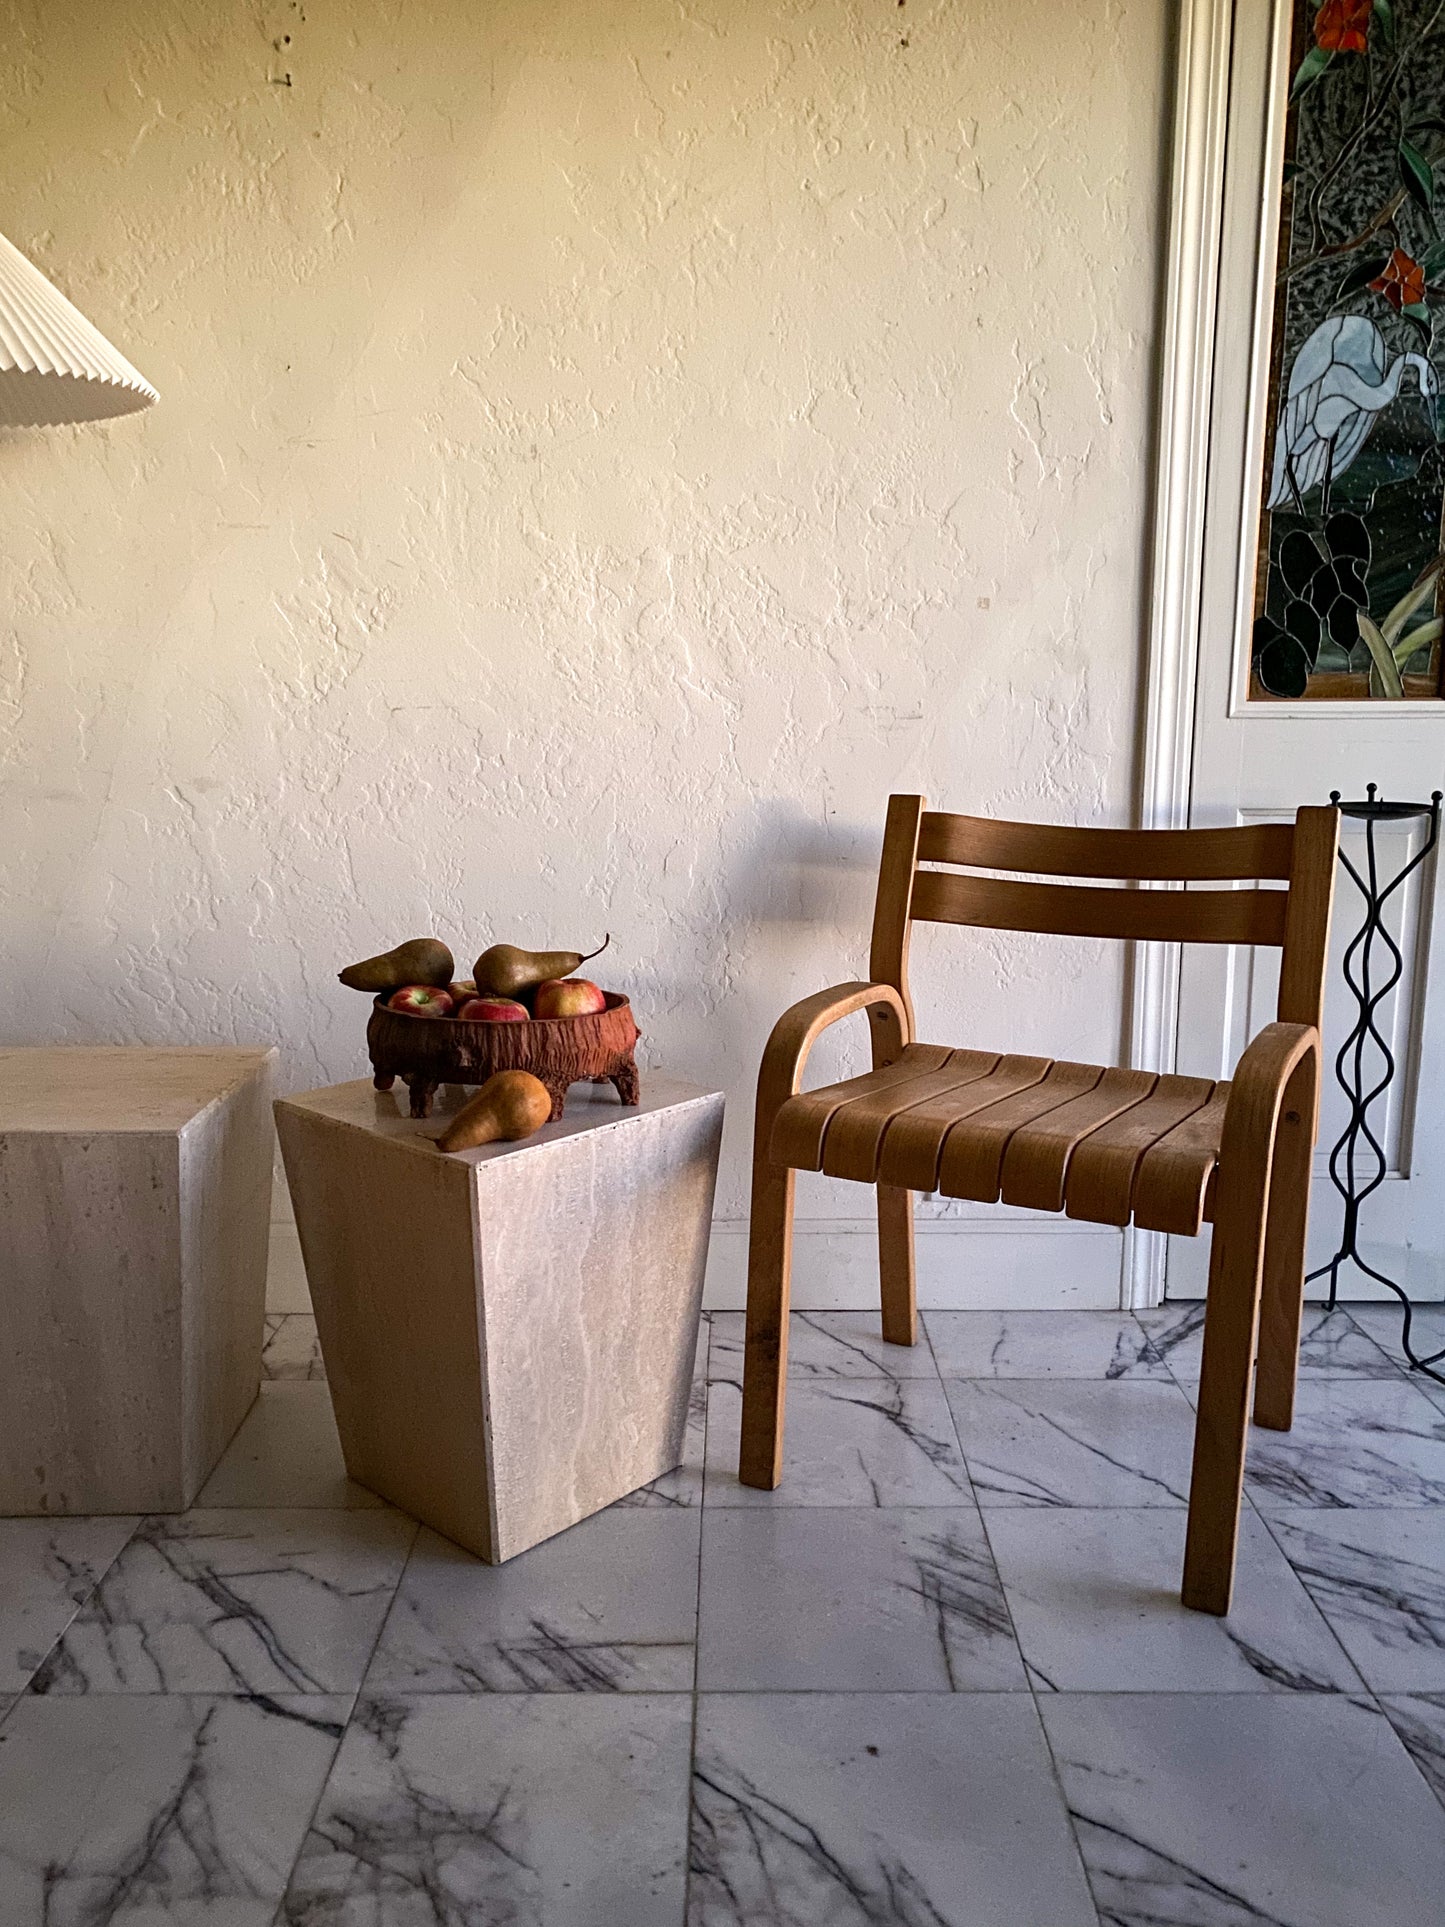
x: 1348, y: 581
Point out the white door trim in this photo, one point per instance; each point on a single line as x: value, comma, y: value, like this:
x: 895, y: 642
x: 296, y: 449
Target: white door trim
x: 1201, y: 114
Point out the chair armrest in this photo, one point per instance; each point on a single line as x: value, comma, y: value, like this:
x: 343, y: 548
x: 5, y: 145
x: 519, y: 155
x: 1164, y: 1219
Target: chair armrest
x: 799, y: 1028
x: 1260, y: 1078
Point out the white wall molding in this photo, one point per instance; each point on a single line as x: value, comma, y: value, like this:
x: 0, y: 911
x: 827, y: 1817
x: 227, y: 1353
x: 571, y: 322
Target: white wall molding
x: 1201, y: 113
x: 964, y: 1264
x: 1000, y: 1262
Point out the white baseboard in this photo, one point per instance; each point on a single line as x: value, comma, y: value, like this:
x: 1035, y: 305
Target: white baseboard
x: 964, y: 1264
x: 969, y: 1264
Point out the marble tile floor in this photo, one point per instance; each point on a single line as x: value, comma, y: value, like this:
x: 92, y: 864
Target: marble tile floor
x: 941, y: 1677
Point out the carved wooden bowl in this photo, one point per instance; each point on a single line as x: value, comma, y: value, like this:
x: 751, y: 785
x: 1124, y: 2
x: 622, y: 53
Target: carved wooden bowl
x: 426, y: 1052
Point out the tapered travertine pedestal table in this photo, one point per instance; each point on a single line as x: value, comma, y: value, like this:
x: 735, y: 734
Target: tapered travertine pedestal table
x: 135, y: 1205
x: 508, y: 1332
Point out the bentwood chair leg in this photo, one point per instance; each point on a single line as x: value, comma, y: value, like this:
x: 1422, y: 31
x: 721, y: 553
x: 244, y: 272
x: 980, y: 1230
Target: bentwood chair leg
x: 765, y: 1360
x: 1231, y: 1318
x: 1282, y: 1297
x: 895, y: 1265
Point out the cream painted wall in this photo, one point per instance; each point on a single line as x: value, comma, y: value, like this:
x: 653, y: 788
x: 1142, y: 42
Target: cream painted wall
x: 605, y: 446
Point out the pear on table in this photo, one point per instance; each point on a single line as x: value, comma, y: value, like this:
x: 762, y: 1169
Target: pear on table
x: 506, y: 971
x: 423, y: 960
x: 511, y: 1105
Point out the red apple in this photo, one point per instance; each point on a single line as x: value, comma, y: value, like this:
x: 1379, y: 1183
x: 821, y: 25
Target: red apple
x: 494, y: 1010
x: 568, y: 997
x: 421, y: 1000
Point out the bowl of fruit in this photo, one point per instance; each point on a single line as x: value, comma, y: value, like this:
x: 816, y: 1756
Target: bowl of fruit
x: 521, y: 1010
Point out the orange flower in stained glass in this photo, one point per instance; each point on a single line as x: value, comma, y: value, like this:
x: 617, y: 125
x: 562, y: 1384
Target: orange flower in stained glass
x: 1402, y: 281
x: 1343, y: 26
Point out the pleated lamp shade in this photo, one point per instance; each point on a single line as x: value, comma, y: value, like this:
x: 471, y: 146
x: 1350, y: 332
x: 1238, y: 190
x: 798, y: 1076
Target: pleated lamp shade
x: 54, y: 366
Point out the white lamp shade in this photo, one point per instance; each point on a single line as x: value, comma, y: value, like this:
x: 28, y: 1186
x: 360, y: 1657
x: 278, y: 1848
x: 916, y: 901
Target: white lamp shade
x: 54, y: 366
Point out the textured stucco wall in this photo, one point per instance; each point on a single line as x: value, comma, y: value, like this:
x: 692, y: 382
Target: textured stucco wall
x: 605, y: 446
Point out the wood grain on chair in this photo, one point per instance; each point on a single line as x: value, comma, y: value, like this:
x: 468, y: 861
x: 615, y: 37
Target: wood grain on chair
x: 1097, y: 1142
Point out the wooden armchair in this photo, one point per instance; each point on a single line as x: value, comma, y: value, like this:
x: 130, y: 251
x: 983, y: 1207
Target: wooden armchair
x: 1102, y: 1144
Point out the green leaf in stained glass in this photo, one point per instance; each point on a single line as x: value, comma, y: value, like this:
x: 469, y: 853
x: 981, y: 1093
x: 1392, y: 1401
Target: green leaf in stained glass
x: 1418, y: 316
x: 1384, y: 671
x: 1310, y: 69
x: 1385, y: 14
x: 1362, y: 274
x: 1417, y: 175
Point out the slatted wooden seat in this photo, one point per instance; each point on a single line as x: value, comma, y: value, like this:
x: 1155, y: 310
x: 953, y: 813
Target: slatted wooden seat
x: 1025, y: 1130
x: 1097, y: 1142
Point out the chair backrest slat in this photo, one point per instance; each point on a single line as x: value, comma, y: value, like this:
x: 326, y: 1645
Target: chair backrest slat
x: 893, y: 911
x: 1076, y: 910
x: 1307, y: 928
x: 1296, y: 919
x: 1261, y: 850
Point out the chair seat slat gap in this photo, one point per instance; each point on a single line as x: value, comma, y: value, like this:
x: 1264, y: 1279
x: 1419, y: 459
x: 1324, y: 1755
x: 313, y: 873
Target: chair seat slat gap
x: 1171, y: 1183
x: 1099, y: 1186
x: 914, y: 1139
x: 855, y: 1132
x: 797, y: 1139
x: 1037, y: 1159
x: 973, y: 1152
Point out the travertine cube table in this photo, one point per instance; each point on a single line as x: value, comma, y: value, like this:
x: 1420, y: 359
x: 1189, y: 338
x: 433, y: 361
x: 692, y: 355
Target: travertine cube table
x: 508, y: 1332
x: 135, y: 1205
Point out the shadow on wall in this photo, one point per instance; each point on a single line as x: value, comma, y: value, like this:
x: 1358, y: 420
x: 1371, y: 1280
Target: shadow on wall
x: 801, y: 893
x: 794, y: 870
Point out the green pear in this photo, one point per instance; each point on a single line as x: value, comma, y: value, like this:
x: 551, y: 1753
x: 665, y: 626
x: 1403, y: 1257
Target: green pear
x: 506, y: 971
x: 421, y: 961
x: 510, y: 1105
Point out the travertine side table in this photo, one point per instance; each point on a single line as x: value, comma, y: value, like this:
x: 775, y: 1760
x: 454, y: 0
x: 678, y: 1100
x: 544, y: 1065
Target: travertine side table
x: 508, y: 1332
x: 135, y: 1202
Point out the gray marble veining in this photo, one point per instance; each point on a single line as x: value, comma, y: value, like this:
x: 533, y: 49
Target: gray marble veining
x: 862, y: 1733
x: 1059, y: 1442
x: 1247, y: 1810
x: 1094, y: 1596
x: 816, y: 1810
x: 610, y: 1606
x: 1379, y: 1579
x: 1176, y: 1335
x: 849, y: 1441
x: 171, y: 1811
x: 826, y: 1344
x: 1042, y: 1344
x: 236, y: 1602
x: 292, y: 1348
x: 1378, y: 1443
x: 47, y: 1569
x: 1419, y: 1719
x: 852, y: 1600
x: 1332, y: 1344
x: 1383, y: 1322
x: 543, y: 1810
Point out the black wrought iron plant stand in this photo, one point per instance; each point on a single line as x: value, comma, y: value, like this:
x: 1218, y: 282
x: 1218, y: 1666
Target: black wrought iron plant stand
x: 1359, y: 1153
